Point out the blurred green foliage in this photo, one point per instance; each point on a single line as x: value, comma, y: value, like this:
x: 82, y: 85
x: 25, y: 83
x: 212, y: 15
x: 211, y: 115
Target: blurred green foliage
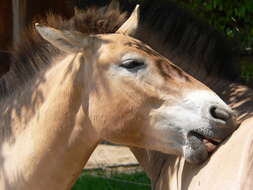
x: 234, y: 18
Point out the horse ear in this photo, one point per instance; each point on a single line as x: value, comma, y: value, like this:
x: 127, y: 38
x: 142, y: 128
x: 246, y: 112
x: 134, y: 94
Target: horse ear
x: 114, y: 5
x: 67, y: 41
x: 131, y: 25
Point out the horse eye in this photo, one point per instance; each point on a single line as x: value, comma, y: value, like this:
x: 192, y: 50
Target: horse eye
x: 132, y: 64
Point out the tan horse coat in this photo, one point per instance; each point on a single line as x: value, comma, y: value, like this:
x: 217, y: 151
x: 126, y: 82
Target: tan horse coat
x: 66, y: 91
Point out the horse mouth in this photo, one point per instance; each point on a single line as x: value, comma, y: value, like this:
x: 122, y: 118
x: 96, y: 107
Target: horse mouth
x: 211, y: 144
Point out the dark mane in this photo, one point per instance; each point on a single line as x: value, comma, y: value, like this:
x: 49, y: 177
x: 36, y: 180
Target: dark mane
x: 187, y: 41
x: 33, y: 54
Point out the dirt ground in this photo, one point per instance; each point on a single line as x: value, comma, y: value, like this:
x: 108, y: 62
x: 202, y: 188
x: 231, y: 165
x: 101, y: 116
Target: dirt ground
x: 106, y: 156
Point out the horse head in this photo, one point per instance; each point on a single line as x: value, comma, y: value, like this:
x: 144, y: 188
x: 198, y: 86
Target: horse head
x: 139, y: 98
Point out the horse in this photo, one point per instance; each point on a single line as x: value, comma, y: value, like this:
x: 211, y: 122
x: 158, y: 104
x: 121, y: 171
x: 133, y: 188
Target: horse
x: 208, y: 56
x: 69, y: 88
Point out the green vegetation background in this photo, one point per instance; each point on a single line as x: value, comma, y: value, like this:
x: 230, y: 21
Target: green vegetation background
x: 234, y: 18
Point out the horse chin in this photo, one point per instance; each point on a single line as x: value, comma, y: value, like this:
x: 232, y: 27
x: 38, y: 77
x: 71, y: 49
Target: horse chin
x: 195, y: 151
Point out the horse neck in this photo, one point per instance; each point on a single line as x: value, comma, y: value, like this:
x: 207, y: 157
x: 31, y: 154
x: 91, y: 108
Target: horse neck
x: 57, y: 140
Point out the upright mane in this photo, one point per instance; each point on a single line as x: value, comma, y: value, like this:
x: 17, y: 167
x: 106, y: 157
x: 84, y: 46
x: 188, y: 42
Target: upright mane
x: 33, y: 54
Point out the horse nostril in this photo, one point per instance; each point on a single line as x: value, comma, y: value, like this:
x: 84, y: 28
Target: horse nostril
x: 220, y: 113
